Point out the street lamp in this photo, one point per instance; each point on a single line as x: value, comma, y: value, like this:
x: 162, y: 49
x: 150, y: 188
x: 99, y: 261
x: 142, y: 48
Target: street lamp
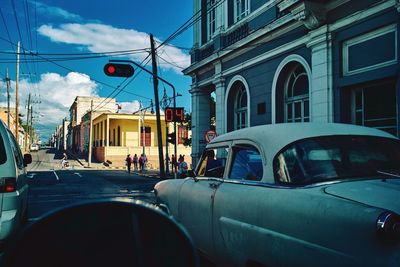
x: 142, y: 112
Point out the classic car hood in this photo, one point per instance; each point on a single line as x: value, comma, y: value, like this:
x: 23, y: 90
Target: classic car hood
x: 379, y: 193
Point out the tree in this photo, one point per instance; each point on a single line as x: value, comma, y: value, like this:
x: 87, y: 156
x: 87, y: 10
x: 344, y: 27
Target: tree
x: 187, y: 122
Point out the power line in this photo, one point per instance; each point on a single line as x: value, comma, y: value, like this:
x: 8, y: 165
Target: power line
x: 5, y: 25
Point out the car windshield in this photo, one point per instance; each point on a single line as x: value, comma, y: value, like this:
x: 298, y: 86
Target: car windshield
x: 335, y: 157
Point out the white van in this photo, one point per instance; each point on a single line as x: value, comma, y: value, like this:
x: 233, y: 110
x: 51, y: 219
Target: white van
x: 13, y: 184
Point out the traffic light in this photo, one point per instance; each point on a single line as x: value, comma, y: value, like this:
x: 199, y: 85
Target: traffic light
x: 118, y: 70
x: 171, y: 138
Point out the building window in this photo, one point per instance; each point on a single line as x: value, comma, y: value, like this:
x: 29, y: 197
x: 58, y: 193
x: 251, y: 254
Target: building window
x: 146, y: 136
x: 241, y: 9
x: 211, y: 18
x: 380, y: 45
x: 297, y: 104
x: 241, y: 108
x: 182, y: 134
x: 375, y: 106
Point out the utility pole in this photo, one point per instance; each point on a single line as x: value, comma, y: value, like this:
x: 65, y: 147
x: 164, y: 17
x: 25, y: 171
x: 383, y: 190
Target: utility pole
x: 27, y: 122
x: 16, y: 96
x: 31, y: 126
x: 165, y: 101
x: 155, y: 83
x: 90, y: 134
x: 8, y: 99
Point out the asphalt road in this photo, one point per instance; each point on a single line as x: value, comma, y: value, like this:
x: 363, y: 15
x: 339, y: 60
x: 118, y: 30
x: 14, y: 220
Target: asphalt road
x: 51, y: 187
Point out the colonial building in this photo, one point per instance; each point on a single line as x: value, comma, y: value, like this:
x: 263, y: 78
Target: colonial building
x: 117, y: 135
x: 10, y: 119
x: 273, y: 61
x: 80, y: 106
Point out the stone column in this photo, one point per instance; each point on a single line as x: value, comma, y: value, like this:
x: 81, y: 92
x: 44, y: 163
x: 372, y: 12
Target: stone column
x: 200, y: 120
x: 107, y: 132
x: 220, y: 105
x: 321, y: 91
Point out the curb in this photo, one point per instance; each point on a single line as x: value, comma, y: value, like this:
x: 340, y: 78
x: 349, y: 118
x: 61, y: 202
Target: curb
x: 72, y: 155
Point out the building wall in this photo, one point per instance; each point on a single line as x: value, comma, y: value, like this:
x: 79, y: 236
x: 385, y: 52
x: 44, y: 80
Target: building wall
x: 262, y: 49
x: 130, y: 126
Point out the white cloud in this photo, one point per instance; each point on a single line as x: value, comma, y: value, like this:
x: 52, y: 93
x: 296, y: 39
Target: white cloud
x: 129, y: 107
x: 56, y: 94
x: 55, y: 11
x: 104, y: 38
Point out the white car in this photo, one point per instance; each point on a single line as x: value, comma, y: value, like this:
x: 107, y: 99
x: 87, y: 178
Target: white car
x: 34, y: 147
x: 13, y: 184
x: 300, y: 194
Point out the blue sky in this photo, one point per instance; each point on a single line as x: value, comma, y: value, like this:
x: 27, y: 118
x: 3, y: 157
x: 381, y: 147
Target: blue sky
x: 49, y: 27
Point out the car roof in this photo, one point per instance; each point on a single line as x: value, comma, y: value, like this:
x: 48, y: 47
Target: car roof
x: 273, y: 137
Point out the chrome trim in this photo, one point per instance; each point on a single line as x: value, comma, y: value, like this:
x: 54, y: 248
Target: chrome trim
x: 382, y: 220
x: 164, y: 208
x: 262, y: 184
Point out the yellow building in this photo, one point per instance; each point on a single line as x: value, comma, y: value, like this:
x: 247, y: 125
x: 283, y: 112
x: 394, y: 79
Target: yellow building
x: 117, y: 135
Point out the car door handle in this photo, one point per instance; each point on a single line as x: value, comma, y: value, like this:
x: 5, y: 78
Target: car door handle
x: 213, y: 185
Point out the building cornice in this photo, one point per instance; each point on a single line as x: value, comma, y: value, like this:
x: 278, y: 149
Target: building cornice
x: 298, y: 14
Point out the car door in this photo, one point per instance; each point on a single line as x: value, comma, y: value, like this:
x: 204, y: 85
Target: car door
x: 20, y: 172
x: 236, y: 207
x: 197, y: 196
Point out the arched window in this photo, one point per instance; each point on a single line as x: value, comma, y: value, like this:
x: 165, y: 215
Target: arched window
x: 297, y: 104
x: 241, y: 108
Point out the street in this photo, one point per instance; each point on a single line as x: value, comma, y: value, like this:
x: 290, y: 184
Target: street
x: 51, y: 187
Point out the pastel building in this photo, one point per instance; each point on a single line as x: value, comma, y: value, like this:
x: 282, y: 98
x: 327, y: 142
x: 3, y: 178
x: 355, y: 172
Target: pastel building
x: 274, y: 61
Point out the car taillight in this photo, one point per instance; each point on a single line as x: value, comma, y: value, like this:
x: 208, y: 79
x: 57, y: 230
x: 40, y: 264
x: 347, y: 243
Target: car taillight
x: 10, y: 185
x: 388, y: 227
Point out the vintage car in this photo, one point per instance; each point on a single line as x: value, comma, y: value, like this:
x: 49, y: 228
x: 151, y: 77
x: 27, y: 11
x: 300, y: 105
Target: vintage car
x: 300, y: 194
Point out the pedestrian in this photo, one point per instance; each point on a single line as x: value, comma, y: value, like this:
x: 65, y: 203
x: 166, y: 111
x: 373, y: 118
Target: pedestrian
x: 183, y: 167
x: 64, y: 161
x: 128, y: 161
x: 144, y: 161
x: 141, y: 163
x: 135, y: 162
x: 173, y: 163
x: 167, y: 161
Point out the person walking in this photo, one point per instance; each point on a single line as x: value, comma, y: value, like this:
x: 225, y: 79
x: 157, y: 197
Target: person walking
x: 183, y: 167
x: 144, y: 161
x: 173, y: 163
x: 135, y: 162
x: 64, y: 161
x: 141, y: 164
x: 128, y: 162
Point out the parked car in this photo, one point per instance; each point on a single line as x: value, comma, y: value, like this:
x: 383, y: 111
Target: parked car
x: 34, y: 147
x: 300, y: 194
x: 13, y: 184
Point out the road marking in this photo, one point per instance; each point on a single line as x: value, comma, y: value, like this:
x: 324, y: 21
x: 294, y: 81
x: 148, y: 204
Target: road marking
x: 76, y: 173
x: 56, y: 175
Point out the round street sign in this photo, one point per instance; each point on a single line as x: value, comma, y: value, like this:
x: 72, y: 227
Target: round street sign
x: 210, y: 135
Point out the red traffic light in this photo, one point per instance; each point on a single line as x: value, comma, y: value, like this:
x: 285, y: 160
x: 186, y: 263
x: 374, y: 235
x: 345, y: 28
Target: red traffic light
x: 118, y: 70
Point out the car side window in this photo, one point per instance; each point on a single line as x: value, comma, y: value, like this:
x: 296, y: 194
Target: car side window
x: 3, y: 155
x: 16, y: 151
x: 213, y: 162
x: 246, y: 164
